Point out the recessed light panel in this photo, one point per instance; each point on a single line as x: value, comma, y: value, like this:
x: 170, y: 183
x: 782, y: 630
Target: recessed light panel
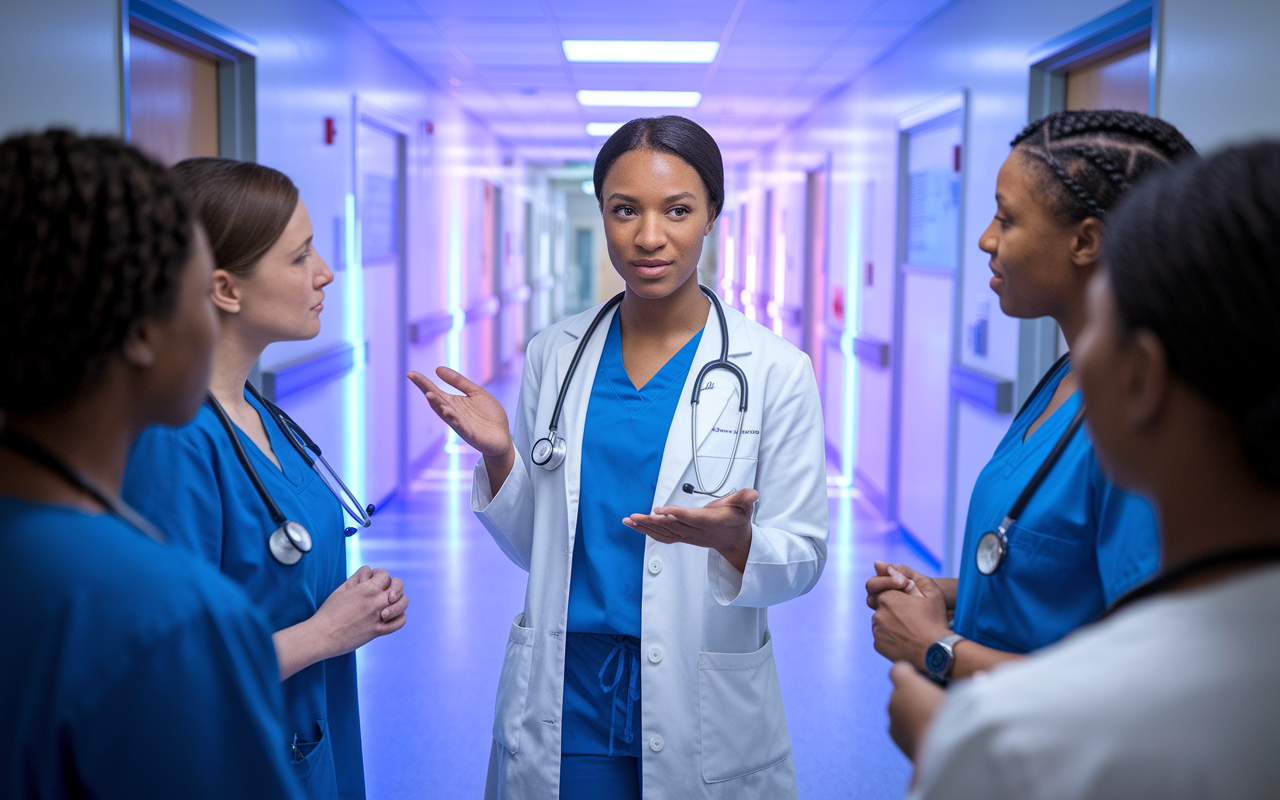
x: 589, y: 97
x: 640, y: 52
x: 603, y: 128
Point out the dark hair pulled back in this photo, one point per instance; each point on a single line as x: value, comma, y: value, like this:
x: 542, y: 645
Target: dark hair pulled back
x: 680, y: 137
x: 94, y: 237
x: 1194, y: 257
x: 243, y: 206
x: 1091, y: 157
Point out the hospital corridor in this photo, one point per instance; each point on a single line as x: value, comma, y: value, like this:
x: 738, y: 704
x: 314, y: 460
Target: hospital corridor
x: 717, y: 400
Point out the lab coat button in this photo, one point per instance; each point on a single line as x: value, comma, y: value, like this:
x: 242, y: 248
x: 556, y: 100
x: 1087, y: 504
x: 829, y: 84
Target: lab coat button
x: 655, y: 565
x: 655, y: 654
x: 655, y: 744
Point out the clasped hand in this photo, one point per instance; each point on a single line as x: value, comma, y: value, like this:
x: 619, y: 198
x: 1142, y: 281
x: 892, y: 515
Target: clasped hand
x: 911, y: 613
x: 365, y: 606
x: 723, y: 525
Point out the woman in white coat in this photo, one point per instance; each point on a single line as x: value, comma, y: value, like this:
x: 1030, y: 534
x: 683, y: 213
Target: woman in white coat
x: 642, y: 664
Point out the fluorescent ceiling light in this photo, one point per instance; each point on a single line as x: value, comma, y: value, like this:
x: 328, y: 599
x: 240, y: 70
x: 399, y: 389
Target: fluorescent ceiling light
x: 603, y: 128
x: 588, y: 97
x: 641, y: 52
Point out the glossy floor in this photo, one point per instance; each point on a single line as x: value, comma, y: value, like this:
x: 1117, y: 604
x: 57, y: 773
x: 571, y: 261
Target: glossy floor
x: 427, y: 691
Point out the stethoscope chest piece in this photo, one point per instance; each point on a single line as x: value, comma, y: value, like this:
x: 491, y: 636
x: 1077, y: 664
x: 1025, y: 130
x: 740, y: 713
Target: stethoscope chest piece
x: 549, y: 451
x: 992, y: 548
x: 289, y: 543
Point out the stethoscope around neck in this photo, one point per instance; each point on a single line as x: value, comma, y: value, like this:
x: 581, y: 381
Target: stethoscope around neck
x: 290, y: 541
x: 549, y: 452
x: 993, y: 546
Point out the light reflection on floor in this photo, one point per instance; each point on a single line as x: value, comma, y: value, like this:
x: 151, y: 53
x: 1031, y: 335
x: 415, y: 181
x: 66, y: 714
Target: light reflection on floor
x: 427, y: 692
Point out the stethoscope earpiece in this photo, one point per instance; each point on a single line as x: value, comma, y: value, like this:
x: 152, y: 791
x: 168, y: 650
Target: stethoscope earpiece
x: 289, y: 542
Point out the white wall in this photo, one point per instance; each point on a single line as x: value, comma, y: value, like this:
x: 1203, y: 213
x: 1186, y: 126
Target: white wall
x: 60, y: 65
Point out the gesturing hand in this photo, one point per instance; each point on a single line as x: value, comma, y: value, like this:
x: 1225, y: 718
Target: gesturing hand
x: 475, y: 415
x: 723, y: 525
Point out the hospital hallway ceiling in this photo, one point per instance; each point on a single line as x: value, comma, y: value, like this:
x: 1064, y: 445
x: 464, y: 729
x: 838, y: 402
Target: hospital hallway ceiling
x: 773, y: 61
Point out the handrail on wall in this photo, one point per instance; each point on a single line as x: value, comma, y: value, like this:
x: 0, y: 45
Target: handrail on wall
x: 988, y: 392
x: 311, y: 371
x: 425, y: 329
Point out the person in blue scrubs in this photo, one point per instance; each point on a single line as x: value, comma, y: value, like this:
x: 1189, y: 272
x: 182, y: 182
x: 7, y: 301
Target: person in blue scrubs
x: 600, y: 751
x: 130, y: 669
x: 268, y: 287
x: 1081, y: 542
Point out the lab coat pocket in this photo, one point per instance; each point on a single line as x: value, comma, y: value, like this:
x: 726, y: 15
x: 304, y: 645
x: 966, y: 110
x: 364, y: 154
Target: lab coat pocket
x: 744, y: 728
x: 311, y: 757
x: 742, y: 472
x: 513, y: 686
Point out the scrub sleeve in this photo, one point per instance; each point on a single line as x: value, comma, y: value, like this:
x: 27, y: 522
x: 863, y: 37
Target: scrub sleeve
x: 1080, y: 543
x: 624, y: 437
x: 131, y: 669
x: 189, y: 483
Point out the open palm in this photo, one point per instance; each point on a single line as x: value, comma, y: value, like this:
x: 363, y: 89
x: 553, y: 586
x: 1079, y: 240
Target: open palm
x: 475, y: 415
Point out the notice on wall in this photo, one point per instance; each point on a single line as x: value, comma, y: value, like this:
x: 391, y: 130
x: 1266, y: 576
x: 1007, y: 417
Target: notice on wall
x: 378, y: 206
x: 933, y: 218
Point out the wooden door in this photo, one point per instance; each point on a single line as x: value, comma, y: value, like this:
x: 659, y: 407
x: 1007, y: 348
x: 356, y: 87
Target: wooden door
x: 173, y: 99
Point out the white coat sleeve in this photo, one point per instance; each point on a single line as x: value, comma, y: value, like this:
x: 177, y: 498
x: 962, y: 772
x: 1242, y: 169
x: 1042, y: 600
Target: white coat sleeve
x: 789, y: 529
x: 508, y: 515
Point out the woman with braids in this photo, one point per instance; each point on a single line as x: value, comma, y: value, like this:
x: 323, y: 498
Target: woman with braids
x: 129, y: 669
x: 1174, y: 694
x: 268, y: 286
x: 1030, y: 575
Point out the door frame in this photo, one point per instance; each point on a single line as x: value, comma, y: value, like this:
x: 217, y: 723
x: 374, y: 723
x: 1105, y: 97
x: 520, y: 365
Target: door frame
x: 951, y: 104
x: 234, y: 53
x: 363, y: 111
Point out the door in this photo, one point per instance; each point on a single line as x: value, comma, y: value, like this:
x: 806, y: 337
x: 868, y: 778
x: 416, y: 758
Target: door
x: 173, y: 98
x: 929, y: 233
x: 380, y: 210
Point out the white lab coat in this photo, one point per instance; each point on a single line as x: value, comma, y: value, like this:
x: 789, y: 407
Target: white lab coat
x: 712, y: 724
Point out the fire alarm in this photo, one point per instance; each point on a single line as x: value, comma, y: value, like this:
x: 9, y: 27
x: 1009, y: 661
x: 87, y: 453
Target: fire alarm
x: 330, y: 130
x: 428, y: 127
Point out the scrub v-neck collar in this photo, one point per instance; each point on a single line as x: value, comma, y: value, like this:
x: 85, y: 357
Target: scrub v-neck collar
x: 671, y: 374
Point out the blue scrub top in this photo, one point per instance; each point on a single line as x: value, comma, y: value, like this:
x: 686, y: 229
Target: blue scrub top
x: 129, y: 669
x: 623, y: 440
x: 189, y: 483
x: 1081, y: 542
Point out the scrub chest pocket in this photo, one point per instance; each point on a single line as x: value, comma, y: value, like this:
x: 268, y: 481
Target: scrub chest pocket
x: 513, y: 686
x: 744, y: 729
x: 1029, y: 586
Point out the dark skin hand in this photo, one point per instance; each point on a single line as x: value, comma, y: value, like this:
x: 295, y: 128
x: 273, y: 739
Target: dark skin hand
x: 723, y: 525
x: 908, y: 620
x: 912, y: 706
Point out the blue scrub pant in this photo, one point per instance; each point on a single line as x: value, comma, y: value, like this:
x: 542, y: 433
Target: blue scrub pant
x: 596, y: 777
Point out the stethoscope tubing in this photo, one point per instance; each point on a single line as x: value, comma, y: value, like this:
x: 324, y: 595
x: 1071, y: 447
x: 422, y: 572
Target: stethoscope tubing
x: 993, y: 546
x: 554, y: 447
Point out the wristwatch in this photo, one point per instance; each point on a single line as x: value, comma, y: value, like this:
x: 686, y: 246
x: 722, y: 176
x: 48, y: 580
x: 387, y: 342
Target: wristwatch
x: 940, y: 658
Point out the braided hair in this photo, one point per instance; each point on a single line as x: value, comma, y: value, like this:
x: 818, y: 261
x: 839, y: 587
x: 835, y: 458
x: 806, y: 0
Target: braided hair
x: 1089, y: 158
x: 1194, y: 256
x: 93, y: 238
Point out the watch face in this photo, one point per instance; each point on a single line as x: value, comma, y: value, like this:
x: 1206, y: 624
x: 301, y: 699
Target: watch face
x: 936, y: 659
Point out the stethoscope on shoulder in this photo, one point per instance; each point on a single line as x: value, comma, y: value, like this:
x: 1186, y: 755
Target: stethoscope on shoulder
x: 549, y: 451
x: 994, y: 545
x: 290, y: 541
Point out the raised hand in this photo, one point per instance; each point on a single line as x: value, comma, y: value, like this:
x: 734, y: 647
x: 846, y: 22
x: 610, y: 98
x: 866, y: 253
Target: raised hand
x: 723, y: 525
x: 476, y: 416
